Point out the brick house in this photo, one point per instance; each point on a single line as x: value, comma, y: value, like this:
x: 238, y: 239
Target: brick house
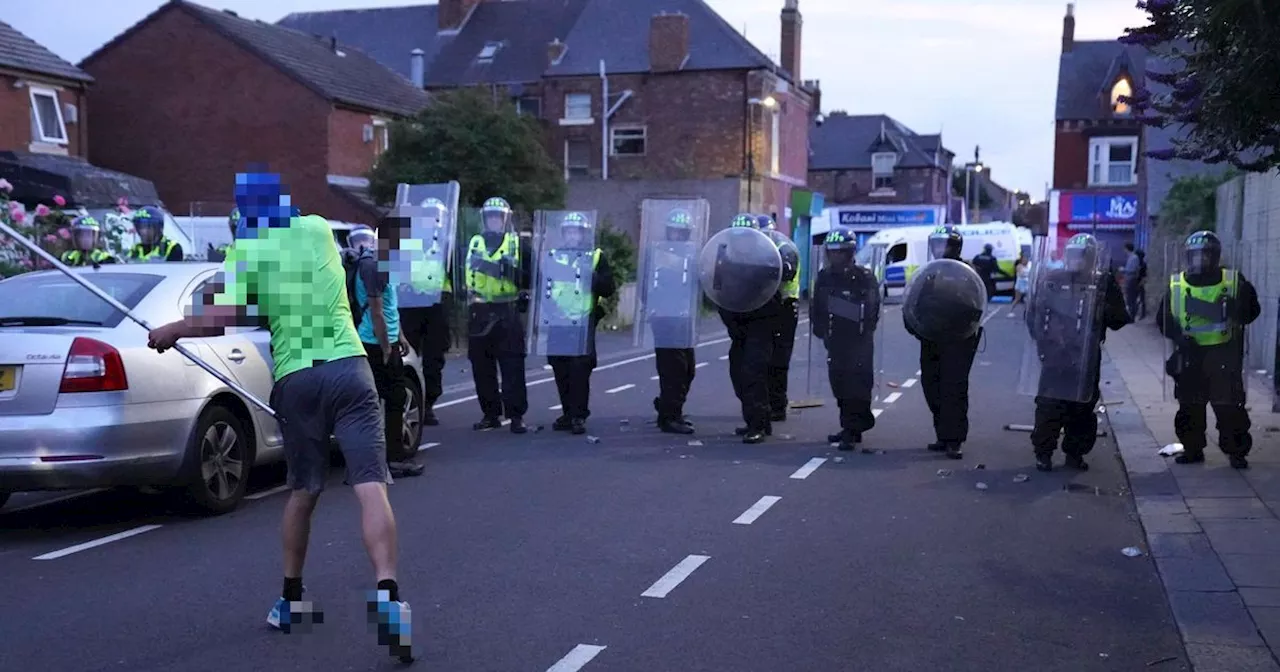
x: 692, y: 108
x: 42, y: 98
x: 1098, y: 167
x: 877, y: 173
x: 189, y: 95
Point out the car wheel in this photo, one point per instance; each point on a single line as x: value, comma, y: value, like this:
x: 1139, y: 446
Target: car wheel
x: 412, y: 416
x: 219, y: 456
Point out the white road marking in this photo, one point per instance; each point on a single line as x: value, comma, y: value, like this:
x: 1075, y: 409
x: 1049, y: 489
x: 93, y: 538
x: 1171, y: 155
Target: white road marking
x: 460, y: 400
x: 425, y: 446
x: 910, y: 382
x: 271, y: 491
x: 556, y: 407
x: 653, y: 377
x: 750, y: 515
x: 55, y: 500
x: 718, y: 341
x: 893, y: 396
x: 724, y: 357
x: 675, y: 577
x: 546, y: 367
x: 620, y: 388
x: 875, y: 412
x: 988, y: 316
x: 506, y: 422
x: 917, y: 372
x: 577, y: 658
x: 808, y: 468
x: 96, y: 542
x: 699, y: 365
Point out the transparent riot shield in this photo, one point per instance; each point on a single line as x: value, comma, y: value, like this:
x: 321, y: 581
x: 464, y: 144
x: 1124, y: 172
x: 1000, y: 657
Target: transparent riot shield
x: 845, y: 336
x: 487, y: 276
x: 211, y: 234
x: 1208, y: 323
x: 426, y: 216
x: 1062, y: 344
x: 561, y: 298
x: 739, y: 269
x: 667, y: 295
x: 944, y: 301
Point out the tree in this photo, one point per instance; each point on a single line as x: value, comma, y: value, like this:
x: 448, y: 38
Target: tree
x: 958, y: 188
x: 488, y: 148
x: 1192, y: 203
x: 1218, y: 85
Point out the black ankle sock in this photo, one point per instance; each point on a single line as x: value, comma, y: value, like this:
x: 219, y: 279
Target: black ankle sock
x: 390, y: 586
x: 292, y: 589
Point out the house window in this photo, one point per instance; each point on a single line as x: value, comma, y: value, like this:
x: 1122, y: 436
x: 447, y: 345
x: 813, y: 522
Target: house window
x: 530, y: 106
x: 1121, y: 88
x: 577, y: 159
x: 628, y: 140
x: 46, y: 116
x: 1113, y: 161
x: 882, y: 165
x: 577, y: 106
x: 381, y: 136
x: 775, y: 145
x: 488, y: 52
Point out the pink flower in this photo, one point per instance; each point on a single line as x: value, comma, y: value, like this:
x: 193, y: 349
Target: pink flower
x: 5, y: 186
x: 42, y: 210
x: 25, y: 263
x: 122, y: 204
x: 64, y: 233
x: 50, y: 238
x: 18, y: 216
x: 59, y: 201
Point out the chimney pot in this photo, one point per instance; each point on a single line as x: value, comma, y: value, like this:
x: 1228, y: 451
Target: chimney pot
x: 668, y: 41
x: 1069, y: 29
x: 417, y: 68
x: 790, y: 42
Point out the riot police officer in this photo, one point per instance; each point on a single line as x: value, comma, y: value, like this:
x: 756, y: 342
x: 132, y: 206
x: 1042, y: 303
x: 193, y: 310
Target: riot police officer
x: 1069, y: 310
x: 1205, y: 314
x: 578, y: 311
x: 86, y: 235
x: 945, y: 366
x: 152, y: 245
x: 844, y: 314
x: 673, y: 333
x: 497, y: 281
x: 784, y: 333
x: 219, y: 253
x: 428, y: 328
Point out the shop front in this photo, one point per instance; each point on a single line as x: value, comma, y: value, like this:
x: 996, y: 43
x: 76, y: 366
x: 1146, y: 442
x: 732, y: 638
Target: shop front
x: 1111, y: 216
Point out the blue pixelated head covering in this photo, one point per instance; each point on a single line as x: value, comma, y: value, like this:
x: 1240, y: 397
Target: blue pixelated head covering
x: 263, y: 202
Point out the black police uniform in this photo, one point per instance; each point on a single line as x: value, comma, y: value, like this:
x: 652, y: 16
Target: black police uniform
x: 496, y: 342
x: 573, y: 373
x: 677, y: 367
x: 1212, y: 375
x: 751, y: 337
x: 784, y: 343
x: 988, y: 268
x: 844, y: 314
x: 1075, y: 421
x: 429, y: 329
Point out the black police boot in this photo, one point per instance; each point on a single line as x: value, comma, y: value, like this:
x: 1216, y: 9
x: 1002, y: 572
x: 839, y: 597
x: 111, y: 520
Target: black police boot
x: 578, y: 426
x: 518, y: 426
x: 488, y: 422
x: 937, y: 447
x: 562, y: 424
x: 674, y: 426
x: 954, y: 452
x: 1077, y: 462
x: 1044, y: 461
x: 753, y: 436
x: 835, y: 438
x: 1190, y: 457
x: 777, y: 415
x: 429, y: 418
x: 743, y: 431
x: 1238, y: 461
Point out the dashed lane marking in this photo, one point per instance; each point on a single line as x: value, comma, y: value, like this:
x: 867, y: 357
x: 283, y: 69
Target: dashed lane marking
x: 577, y: 658
x: 620, y: 388
x: 910, y: 382
x: 675, y: 577
x: 653, y: 377
x: 893, y: 396
x: 543, y: 381
x: 808, y: 468
x: 699, y: 365
x: 752, y: 514
x: 54, y: 555
x: 875, y: 412
x: 724, y: 357
x: 427, y: 446
x: 557, y: 407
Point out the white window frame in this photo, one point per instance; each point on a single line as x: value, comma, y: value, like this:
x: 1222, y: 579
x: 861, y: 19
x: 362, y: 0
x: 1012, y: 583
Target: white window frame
x: 1115, y: 94
x: 573, y: 108
x: 628, y: 132
x: 775, y: 144
x: 38, y: 125
x: 1100, y: 161
x: 386, y: 135
x: 877, y: 160
x: 567, y: 175
x: 488, y: 51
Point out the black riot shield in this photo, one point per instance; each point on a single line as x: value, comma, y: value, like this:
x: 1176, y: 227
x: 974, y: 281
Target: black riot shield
x: 740, y: 269
x: 667, y: 294
x: 1061, y: 352
x: 944, y: 301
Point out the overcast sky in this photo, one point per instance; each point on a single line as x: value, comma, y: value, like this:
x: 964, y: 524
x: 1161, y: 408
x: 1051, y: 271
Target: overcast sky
x: 984, y: 72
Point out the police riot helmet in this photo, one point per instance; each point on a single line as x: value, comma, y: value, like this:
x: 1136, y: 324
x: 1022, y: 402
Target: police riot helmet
x: 744, y: 220
x: 575, y: 229
x: 945, y: 242
x: 1204, y: 252
x: 149, y: 224
x: 85, y: 232
x: 234, y: 221
x: 437, y: 205
x: 840, y: 245
x: 362, y: 239
x: 766, y: 223
x: 679, y: 224
x: 496, y: 213
x: 1081, y: 253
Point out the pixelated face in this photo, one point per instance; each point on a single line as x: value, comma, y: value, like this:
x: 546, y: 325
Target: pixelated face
x: 263, y: 201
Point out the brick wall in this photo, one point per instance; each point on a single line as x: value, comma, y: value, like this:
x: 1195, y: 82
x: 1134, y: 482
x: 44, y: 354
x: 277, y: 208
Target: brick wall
x: 349, y: 154
x: 178, y: 104
x: 1070, y: 156
x: 912, y: 186
x: 15, y: 113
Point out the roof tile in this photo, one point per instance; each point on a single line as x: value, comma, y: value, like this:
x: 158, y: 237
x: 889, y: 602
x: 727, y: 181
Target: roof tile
x: 20, y: 52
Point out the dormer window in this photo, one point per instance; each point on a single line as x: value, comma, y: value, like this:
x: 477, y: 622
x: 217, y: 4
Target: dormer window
x: 1121, y: 88
x: 882, y: 165
x: 488, y: 52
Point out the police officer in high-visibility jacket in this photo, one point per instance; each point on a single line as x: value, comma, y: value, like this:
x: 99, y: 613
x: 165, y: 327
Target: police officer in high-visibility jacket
x: 86, y: 235
x: 219, y: 253
x: 1205, y: 314
x: 427, y: 327
x: 784, y: 331
x: 497, y: 279
x: 152, y: 243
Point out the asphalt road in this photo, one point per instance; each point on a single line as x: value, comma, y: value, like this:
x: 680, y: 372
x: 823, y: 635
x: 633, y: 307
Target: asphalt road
x: 640, y: 552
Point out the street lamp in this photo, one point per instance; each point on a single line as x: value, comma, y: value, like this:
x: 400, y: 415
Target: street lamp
x: 969, y: 170
x: 768, y: 103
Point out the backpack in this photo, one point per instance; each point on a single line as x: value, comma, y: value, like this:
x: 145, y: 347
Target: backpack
x: 351, y: 264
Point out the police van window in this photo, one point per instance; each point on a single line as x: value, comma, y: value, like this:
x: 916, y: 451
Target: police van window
x: 896, y: 254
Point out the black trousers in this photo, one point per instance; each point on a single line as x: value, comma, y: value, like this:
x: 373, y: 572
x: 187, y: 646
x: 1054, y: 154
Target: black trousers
x: 855, y: 416
x: 1190, y: 423
x: 944, y: 375
x: 494, y: 348
x: 676, y: 370
x: 1074, y: 421
x: 428, y: 329
x: 750, y: 351
x: 388, y: 378
x: 573, y: 382
x: 784, y: 342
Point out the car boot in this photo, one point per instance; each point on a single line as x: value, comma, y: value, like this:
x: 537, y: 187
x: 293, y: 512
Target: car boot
x: 518, y: 426
x: 562, y: 424
x: 1190, y: 457
x: 488, y: 422
x: 1077, y: 462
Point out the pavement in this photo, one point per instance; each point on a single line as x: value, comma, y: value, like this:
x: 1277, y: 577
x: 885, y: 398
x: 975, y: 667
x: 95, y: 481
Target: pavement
x: 1213, y: 530
x: 631, y: 550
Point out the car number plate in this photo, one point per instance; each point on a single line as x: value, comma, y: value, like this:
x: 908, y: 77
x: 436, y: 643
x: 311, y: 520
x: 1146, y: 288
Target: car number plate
x: 8, y: 378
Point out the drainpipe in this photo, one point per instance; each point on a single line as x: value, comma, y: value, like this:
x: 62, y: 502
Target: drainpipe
x: 604, y: 123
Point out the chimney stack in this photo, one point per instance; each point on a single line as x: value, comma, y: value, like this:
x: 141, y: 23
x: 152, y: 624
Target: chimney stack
x: 555, y: 51
x: 1069, y: 29
x: 815, y: 96
x: 417, y: 68
x: 333, y: 43
x: 451, y: 14
x: 668, y: 42
x: 791, y: 23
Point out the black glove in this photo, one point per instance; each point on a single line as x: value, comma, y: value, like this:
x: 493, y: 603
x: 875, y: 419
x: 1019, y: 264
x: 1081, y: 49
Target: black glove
x: 522, y: 302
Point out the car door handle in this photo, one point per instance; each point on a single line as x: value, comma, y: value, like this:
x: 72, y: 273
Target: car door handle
x: 236, y: 355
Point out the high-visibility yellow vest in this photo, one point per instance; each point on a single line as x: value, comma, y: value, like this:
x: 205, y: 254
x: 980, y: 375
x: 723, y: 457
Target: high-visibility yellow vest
x: 790, y: 289
x: 1203, y: 330
x: 78, y: 258
x: 485, y: 284
x: 574, y: 300
x: 158, y: 252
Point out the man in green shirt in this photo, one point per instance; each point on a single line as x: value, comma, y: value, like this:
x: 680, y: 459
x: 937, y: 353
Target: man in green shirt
x: 284, y: 270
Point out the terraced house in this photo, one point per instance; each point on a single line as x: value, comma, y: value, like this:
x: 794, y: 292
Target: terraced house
x: 637, y: 98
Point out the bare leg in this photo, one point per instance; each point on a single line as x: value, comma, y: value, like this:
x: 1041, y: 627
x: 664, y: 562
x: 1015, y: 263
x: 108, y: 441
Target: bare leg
x: 295, y: 530
x: 378, y: 528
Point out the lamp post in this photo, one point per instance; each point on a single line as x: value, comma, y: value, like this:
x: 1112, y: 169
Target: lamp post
x: 768, y: 103
x: 971, y: 204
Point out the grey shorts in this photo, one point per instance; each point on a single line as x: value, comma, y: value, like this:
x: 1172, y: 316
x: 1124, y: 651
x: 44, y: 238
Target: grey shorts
x: 337, y: 399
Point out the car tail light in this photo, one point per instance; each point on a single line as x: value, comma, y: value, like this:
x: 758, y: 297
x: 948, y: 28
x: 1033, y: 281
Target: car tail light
x: 93, y: 366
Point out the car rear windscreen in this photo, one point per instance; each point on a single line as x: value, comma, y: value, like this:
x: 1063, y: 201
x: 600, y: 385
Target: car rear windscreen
x: 55, y: 296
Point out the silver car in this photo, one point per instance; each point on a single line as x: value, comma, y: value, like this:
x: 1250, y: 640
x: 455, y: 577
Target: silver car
x: 85, y: 404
